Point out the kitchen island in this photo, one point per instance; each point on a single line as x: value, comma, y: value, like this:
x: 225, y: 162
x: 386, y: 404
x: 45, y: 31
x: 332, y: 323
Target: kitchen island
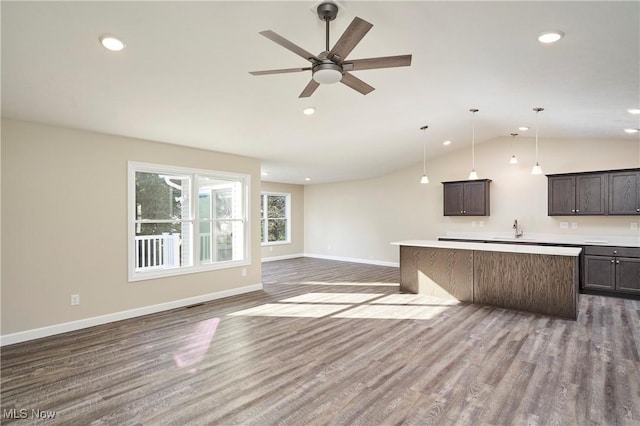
x: 539, y: 279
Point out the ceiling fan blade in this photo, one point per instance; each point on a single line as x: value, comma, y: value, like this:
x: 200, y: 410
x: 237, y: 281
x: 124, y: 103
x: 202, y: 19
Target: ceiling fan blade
x: 356, y: 84
x: 290, y: 46
x: 309, y: 89
x: 349, y: 39
x: 382, y: 62
x: 282, y: 71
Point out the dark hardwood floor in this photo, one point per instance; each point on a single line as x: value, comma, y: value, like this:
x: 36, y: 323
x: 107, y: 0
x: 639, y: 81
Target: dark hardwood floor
x: 335, y: 343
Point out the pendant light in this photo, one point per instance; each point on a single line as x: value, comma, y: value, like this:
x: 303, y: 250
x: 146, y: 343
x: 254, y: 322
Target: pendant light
x: 424, y: 179
x: 473, y: 175
x: 537, y: 170
x: 513, y: 160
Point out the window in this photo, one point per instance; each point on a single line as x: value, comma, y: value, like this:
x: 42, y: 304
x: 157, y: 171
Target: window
x: 185, y: 220
x: 275, y: 212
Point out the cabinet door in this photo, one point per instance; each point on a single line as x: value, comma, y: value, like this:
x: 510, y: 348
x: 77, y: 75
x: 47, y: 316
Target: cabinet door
x: 591, y: 194
x: 628, y: 274
x: 476, y: 198
x: 562, y: 195
x: 453, y: 199
x: 599, y: 272
x: 624, y: 193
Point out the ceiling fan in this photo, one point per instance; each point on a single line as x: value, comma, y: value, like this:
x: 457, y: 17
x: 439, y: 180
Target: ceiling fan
x: 332, y: 66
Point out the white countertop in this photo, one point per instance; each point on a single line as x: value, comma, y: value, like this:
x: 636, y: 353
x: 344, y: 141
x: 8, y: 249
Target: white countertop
x: 506, y: 248
x: 581, y: 240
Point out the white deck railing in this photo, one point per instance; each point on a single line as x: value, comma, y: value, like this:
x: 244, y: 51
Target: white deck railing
x: 163, y: 251
x: 157, y: 251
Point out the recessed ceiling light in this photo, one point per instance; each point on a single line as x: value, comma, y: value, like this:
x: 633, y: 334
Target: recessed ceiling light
x: 307, y: 179
x: 309, y: 111
x: 634, y: 110
x: 632, y: 130
x: 523, y: 128
x: 445, y: 143
x: 111, y: 42
x: 550, y: 36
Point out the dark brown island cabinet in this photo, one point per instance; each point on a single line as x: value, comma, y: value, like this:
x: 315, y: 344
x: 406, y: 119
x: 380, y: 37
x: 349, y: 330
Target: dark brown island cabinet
x: 466, y: 197
x: 612, y: 269
x: 609, y: 192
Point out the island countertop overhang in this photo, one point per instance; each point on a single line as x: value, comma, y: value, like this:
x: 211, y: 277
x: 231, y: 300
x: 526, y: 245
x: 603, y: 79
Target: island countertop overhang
x: 495, y: 247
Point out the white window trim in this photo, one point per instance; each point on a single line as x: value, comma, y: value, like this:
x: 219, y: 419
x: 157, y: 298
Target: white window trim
x: 288, y: 217
x: 132, y: 168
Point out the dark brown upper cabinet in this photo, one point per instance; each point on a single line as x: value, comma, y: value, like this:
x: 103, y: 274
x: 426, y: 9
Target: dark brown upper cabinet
x: 466, y: 197
x: 577, y: 194
x: 624, y: 193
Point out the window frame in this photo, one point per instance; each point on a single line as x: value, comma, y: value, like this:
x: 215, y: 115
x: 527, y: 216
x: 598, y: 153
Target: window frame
x: 197, y: 266
x: 265, y: 227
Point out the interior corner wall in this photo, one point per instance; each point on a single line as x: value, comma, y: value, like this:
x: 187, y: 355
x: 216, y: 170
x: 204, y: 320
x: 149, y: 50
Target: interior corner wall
x: 296, y: 247
x: 64, y: 226
x: 359, y: 219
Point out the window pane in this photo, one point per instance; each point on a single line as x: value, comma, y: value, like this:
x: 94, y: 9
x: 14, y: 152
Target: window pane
x: 277, y: 230
x: 162, y: 196
x: 224, y: 241
x: 277, y: 206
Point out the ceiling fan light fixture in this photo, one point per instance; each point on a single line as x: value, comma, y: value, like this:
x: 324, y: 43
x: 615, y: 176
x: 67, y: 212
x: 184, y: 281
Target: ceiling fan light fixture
x: 327, y: 73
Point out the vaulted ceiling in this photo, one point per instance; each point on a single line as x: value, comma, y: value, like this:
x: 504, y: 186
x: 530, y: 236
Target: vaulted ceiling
x: 183, y: 77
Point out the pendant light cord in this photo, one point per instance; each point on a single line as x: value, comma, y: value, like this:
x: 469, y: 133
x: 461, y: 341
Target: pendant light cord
x: 424, y: 159
x: 473, y: 138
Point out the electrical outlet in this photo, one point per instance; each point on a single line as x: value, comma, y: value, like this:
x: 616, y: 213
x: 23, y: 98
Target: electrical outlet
x: 482, y: 224
x: 574, y: 225
x: 634, y: 226
x: 244, y: 272
x: 564, y: 225
x: 75, y: 299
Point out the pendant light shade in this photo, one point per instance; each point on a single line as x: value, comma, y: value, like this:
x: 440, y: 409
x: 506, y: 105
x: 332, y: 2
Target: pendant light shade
x: 473, y: 175
x: 513, y: 160
x: 537, y: 170
x: 424, y: 179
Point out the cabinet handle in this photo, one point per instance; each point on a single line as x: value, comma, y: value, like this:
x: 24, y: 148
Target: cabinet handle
x: 615, y: 252
x: 638, y: 210
x: 617, y: 262
x: 577, y: 211
x: 573, y: 210
x: 611, y: 260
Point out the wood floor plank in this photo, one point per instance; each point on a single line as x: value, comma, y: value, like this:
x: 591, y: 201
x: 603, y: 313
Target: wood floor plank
x: 331, y: 342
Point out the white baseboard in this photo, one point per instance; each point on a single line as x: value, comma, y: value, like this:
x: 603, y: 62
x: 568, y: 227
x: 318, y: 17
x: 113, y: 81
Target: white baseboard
x: 37, y: 333
x: 354, y: 260
x: 283, y: 257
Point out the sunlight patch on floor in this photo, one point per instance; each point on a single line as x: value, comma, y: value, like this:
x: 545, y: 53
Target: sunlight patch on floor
x: 333, y: 298
x: 354, y: 305
x: 309, y: 310
x: 392, y: 312
x: 349, y: 283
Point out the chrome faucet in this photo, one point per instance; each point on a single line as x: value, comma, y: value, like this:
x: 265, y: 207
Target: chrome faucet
x: 517, y: 230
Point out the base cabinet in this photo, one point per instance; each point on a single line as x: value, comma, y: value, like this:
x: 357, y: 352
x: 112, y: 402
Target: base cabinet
x: 612, y: 269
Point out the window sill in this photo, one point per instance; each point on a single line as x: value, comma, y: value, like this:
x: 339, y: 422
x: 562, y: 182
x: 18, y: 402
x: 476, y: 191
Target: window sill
x: 275, y: 243
x: 164, y: 273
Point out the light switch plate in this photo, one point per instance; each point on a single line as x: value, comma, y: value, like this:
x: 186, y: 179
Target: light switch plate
x: 634, y: 226
x: 564, y: 225
x: 574, y: 225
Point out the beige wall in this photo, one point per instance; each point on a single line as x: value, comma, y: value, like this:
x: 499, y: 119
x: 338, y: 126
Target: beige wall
x: 64, y: 225
x: 359, y: 219
x: 297, y: 221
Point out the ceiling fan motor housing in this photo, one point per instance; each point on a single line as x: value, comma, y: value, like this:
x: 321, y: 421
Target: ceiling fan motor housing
x: 327, y: 72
